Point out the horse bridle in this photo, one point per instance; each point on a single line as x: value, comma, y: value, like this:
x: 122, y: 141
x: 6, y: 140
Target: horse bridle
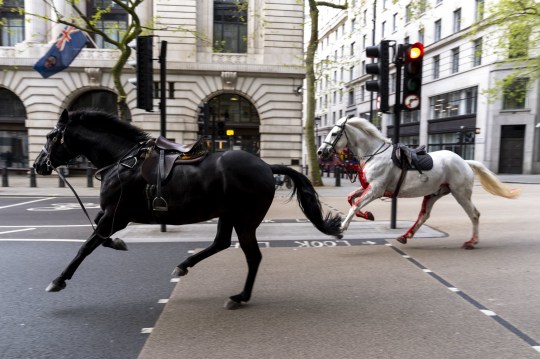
x: 338, y: 136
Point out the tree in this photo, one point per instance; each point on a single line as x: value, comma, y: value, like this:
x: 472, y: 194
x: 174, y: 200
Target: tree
x: 517, y: 41
x: 89, y: 24
x: 313, y: 42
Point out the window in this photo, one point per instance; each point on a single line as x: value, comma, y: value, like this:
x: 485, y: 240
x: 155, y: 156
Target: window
x: 437, y: 31
x: 421, y: 36
x: 394, y: 22
x: 408, y: 13
x: 383, y: 29
x: 352, y: 48
x: 364, y: 18
x: 239, y: 114
x: 518, y: 45
x: 13, y: 135
x: 515, y: 93
x: 112, y: 23
x: 350, y: 100
x: 12, y: 29
x: 351, y: 73
x: 436, y: 66
x: 364, y: 42
x: 456, y: 103
x: 230, y: 26
x: 477, y: 55
x: 457, y: 20
x: 362, y: 93
x: 460, y: 142
x: 479, y: 15
x: 353, y: 25
x: 455, y: 60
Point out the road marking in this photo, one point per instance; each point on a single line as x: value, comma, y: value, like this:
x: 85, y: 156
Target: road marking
x: 41, y: 240
x: 175, y: 280
x: 163, y: 301
x: 146, y: 330
x: 18, y: 230
x: 503, y: 322
x: 49, y: 226
x: 28, y: 202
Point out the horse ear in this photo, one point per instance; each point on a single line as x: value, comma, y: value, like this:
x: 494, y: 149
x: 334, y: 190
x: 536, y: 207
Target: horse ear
x: 64, y: 117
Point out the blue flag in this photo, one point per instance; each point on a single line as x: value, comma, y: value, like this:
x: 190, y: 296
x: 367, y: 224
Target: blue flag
x: 64, y: 51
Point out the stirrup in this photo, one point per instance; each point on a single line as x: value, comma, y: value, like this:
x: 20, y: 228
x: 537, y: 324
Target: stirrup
x: 160, y: 205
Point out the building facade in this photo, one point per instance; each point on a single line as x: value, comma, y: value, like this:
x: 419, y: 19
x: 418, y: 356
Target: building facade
x: 243, y: 58
x: 458, y: 69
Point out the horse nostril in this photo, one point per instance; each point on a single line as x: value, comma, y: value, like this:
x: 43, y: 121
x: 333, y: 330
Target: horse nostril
x: 319, y: 152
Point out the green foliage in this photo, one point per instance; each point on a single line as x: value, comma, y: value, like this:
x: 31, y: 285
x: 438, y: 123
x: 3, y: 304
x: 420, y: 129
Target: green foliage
x: 517, y: 23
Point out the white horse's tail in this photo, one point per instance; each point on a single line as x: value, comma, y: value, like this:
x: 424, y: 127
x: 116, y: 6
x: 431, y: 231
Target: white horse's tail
x: 491, y: 183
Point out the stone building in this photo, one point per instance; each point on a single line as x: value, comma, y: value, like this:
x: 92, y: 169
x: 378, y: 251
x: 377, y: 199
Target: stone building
x: 244, y: 58
x: 458, y: 67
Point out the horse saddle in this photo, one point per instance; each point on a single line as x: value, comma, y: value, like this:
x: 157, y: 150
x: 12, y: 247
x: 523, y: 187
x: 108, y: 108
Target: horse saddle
x: 408, y: 158
x: 162, y: 157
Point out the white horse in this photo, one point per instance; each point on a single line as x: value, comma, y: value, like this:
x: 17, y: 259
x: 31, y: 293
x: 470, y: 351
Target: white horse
x: 379, y: 176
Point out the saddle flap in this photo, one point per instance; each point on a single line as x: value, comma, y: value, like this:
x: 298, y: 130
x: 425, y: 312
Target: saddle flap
x: 412, y: 158
x: 149, y: 168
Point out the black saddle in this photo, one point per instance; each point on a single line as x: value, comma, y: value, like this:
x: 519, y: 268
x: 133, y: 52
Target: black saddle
x: 162, y: 157
x: 408, y: 158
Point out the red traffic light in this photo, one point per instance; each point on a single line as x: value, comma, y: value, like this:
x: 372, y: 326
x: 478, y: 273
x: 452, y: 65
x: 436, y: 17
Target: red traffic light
x: 415, y: 51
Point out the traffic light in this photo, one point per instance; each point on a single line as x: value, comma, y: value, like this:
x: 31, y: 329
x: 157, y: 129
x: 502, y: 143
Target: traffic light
x: 381, y: 69
x: 144, y: 82
x: 412, y: 76
x: 221, y: 128
x: 204, y: 118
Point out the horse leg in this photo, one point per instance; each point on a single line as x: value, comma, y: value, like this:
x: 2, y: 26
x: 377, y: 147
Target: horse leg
x: 221, y: 241
x: 425, y: 211
x: 368, y: 195
x: 250, y: 247
x: 97, y: 238
x: 352, y: 196
x: 114, y: 243
x: 464, y: 199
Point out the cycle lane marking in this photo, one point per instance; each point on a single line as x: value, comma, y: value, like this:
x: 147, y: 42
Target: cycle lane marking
x: 27, y: 202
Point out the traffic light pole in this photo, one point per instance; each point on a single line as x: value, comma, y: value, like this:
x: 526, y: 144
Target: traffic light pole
x: 163, y: 97
x: 397, y: 120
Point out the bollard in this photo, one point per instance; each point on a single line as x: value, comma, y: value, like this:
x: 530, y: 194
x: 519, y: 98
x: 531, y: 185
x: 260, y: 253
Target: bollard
x: 307, y: 170
x: 33, y: 182
x: 5, y: 180
x: 337, y: 173
x: 61, y: 182
x: 89, y: 177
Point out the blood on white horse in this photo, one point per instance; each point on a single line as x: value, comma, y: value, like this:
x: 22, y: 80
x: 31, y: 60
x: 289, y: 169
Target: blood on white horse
x: 379, y: 176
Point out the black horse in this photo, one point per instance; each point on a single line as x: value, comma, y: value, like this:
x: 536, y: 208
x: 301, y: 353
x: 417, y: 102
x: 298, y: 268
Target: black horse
x: 235, y: 186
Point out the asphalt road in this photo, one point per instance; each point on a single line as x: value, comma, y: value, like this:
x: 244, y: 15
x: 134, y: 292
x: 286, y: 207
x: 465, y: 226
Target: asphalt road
x: 105, y: 308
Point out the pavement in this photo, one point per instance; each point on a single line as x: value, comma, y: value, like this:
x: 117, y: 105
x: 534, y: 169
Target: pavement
x: 427, y: 299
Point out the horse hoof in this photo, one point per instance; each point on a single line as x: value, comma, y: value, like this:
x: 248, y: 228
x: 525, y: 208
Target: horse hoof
x: 369, y: 216
x: 119, y: 244
x: 339, y: 236
x: 467, y: 246
x: 402, y: 240
x: 179, y: 272
x: 56, y: 286
x: 232, y: 305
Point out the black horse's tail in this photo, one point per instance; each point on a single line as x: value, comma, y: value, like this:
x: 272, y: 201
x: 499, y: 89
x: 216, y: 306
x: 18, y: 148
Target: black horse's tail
x: 308, y: 199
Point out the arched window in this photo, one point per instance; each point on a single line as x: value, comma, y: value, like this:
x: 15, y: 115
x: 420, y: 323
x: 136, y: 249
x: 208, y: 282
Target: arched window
x: 13, y: 134
x: 232, y: 112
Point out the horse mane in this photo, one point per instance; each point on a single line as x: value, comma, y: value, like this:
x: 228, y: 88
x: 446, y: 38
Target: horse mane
x: 369, y: 128
x: 108, y: 123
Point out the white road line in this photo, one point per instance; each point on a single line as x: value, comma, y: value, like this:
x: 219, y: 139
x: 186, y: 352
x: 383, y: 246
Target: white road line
x: 40, y: 240
x: 49, y: 226
x: 23, y: 203
x: 146, y: 330
x: 489, y: 313
x: 163, y: 301
x: 18, y: 230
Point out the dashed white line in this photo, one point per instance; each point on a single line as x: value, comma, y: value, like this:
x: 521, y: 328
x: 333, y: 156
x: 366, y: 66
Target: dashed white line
x: 163, y: 301
x: 28, y: 202
x: 175, y: 280
x: 146, y: 330
x: 18, y: 230
x: 489, y: 313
